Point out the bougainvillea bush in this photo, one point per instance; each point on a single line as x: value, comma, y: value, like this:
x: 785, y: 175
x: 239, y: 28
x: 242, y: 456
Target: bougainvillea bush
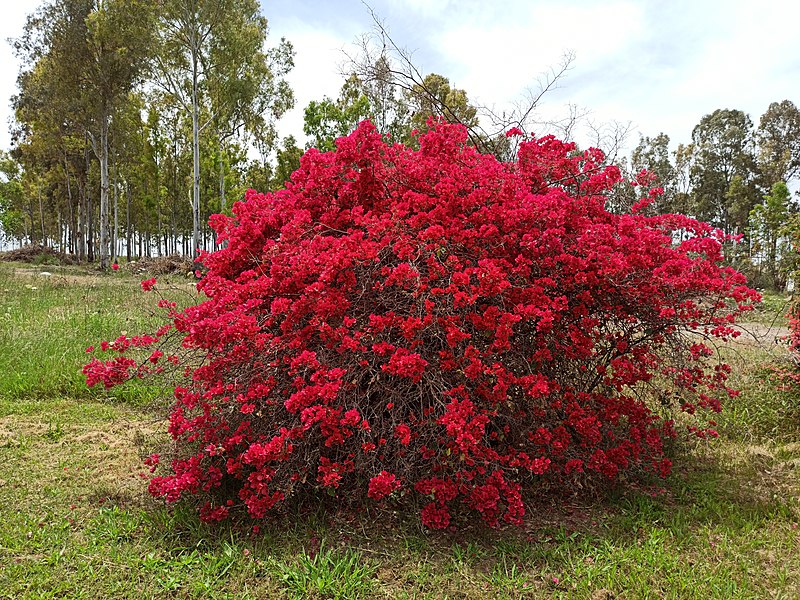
x: 437, y: 327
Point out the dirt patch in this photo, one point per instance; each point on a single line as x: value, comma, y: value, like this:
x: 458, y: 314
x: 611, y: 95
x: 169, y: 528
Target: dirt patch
x: 105, y: 458
x: 759, y: 334
x: 60, y: 279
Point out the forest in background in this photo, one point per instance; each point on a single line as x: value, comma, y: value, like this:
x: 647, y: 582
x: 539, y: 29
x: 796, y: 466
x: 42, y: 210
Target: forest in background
x: 136, y: 120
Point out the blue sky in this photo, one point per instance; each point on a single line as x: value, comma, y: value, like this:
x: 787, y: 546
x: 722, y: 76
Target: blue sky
x: 660, y: 65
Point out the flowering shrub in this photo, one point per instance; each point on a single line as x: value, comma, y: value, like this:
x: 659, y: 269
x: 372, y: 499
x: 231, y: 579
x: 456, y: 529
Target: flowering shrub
x: 787, y: 377
x: 435, y: 324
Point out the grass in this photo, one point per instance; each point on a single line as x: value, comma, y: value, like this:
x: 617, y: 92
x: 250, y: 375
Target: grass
x: 772, y: 310
x: 49, y: 318
x: 328, y: 574
x: 77, y: 521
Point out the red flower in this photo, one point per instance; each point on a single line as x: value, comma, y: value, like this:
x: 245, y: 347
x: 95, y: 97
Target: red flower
x: 403, y: 433
x: 435, y: 516
x: 382, y: 485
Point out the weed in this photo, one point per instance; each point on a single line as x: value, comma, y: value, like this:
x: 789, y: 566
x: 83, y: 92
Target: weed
x: 327, y: 574
x: 54, y: 431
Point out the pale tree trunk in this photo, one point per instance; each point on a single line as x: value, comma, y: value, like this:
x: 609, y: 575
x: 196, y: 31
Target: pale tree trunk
x: 83, y: 225
x: 128, y: 220
x: 222, y: 202
x: 90, y: 221
x: 41, y: 213
x: 104, y: 184
x: 73, y: 225
x: 196, y: 148
x: 115, y: 233
x: 160, y: 231
x: 30, y: 233
x: 221, y: 181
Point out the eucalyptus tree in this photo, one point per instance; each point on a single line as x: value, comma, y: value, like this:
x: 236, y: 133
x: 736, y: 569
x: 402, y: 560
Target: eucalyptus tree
x: 767, y: 222
x: 326, y: 120
x: 83, y: 57
x: 50, y: 129
x: 287, y: 162
x: 396, y: 107
x: 12, y: 221
x: 724, y: 174
x: 247, y: 88
x: 212, y: 61
x: 434, y: 96
x: 119, y: 37
x: 778, y: 137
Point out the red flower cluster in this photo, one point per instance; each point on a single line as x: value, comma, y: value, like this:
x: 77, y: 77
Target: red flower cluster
x: 383, y: 484
x: 787, y: 378
x: 434, y: 317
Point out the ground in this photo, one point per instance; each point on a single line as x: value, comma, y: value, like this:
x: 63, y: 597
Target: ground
x: 77, y: 521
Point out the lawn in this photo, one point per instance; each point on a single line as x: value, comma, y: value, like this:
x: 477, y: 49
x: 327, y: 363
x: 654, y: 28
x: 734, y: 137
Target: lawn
x: 76, y: 520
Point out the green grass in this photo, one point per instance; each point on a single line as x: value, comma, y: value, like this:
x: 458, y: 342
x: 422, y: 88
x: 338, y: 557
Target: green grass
x: 76, y: 520
x: 327, y: 574
x: 772, y: 310
x: 48, y: 321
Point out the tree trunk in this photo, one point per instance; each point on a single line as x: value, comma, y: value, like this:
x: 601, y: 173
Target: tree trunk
x: 31, y: 233
x: 196, y: 154
x: 89, y: 209
x: 82, y: 228
x: 90, y: 218
x: 103, y: 157
x: 222, y: 202
x: 128, y: 220
x: 41, y: 214
x: 72, y: 244
x: 115, y: 233
x: 159, y: 231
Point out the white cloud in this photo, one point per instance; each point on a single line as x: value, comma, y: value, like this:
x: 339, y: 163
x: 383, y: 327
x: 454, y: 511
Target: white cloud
x: 14, y: 15
x: 317, y: 73
x: 503, y: 58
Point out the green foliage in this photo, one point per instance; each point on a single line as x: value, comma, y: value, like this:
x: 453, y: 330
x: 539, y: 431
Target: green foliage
x: 288, y: 161
x: 723, y: 171
x: 434, y: 97
x: 212, y: 63
x: 90, y: 128
x: 778, y: 138
x: 327, y: 120
x: 396, y: 110
x: 11, y: 197
x: 652, y: 155
x: 767, y: 224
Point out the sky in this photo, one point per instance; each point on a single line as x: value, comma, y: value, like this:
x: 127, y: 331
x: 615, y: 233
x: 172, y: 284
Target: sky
x: 656, y: 65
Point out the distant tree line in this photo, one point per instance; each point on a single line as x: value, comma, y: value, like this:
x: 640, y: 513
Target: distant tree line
x: 737, y: 177
x: 134, y: 120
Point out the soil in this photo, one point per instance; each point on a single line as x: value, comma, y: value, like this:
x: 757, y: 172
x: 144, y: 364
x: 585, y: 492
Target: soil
x: 760, y: 334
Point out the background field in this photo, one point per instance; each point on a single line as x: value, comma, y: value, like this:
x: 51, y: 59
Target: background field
x: 76, y: 520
